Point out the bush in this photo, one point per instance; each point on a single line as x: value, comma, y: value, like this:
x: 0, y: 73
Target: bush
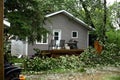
x: 113, y: 37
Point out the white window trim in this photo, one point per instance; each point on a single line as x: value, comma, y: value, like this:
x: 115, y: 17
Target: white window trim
x: 72, y: 34
x: 37, y: 42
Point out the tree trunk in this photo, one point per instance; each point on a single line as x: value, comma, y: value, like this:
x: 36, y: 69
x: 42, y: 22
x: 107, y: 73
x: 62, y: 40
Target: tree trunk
x: 104, y: 22
x: 1, y: 41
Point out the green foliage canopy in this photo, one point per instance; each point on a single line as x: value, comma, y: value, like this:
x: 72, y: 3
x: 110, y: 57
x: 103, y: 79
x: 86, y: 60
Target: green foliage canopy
x: 114, y: 37
x: 26, y: 18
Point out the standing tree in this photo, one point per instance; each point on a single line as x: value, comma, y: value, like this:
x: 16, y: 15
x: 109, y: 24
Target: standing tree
x: 104, y: 23
x: 96, y: 15
x: 26, y: 18
x: 1, y: 42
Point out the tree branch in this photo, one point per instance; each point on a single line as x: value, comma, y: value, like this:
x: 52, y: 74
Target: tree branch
x: 87, y: 13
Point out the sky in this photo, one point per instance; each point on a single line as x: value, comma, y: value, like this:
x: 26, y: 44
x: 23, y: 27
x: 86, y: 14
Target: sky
x: 109, y: 2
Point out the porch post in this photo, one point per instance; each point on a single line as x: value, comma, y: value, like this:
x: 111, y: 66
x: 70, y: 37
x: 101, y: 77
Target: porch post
x: 1, y: 41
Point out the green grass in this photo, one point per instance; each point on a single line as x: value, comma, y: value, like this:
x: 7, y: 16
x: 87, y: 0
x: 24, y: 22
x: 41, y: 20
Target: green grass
x: 64, y: 73
x: 112, y: 77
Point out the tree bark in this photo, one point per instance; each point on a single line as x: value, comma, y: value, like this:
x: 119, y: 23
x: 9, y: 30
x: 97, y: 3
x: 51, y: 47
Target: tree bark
x: 87, y: 14
x: 104, y: 22
x: 1, y: 41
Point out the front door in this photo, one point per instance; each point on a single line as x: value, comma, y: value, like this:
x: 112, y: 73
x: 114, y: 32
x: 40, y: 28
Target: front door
x: 57, y: 36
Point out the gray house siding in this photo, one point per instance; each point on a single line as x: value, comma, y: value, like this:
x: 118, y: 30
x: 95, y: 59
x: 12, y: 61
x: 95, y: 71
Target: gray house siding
x: 66, y: 25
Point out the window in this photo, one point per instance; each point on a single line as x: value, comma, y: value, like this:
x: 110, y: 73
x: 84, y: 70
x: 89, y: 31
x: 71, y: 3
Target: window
x: 56, y: 36
x: 44, y: 40
x: 74, y: 34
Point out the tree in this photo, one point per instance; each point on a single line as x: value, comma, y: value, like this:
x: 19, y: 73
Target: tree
x: 103, y: 37
x: 97, y: 17
x: 26, y: 18
x: 29, y: 15
x: 1, y: 42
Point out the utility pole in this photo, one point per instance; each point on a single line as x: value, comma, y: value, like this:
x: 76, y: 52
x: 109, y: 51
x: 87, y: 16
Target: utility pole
x: 1, y: 41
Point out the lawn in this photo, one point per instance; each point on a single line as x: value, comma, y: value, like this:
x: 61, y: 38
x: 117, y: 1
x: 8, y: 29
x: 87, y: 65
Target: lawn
x: 112, y: 77
x: 91, y: 74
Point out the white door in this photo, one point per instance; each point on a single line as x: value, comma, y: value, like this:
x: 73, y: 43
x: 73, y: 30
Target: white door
x: 57, y: 36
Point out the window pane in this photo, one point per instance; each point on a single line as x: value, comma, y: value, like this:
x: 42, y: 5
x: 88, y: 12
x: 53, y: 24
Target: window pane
x: 44, y: 41
x: 45, y: 38
x: 74, y: 34
x: 56, y: 34
x: 56, y: 38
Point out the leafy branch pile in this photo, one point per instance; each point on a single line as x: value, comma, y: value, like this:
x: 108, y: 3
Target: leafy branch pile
x: 44, y: 64
x: 109, y: 57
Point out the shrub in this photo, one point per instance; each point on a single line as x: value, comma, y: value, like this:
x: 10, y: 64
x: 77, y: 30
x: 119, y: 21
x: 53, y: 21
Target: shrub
x: 113, y: 37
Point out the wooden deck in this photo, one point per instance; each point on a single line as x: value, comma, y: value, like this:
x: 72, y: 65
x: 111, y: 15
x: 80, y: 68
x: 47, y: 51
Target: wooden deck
x: 61, y: 52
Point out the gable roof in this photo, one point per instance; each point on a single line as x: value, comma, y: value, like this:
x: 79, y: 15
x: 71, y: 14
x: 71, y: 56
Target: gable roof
x: 70, y: 16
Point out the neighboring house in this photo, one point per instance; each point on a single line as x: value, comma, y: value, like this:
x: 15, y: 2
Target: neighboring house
x: 17, y: 47
x: 63, y: 26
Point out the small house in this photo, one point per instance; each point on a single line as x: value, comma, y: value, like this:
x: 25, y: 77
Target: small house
x: 63, y: 27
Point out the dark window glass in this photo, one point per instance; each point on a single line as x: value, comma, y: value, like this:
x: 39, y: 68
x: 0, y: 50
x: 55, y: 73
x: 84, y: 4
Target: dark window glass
x: 45, y: 38
x: 56, y: 34
x: 56, y: 38
x: 74, y: 34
